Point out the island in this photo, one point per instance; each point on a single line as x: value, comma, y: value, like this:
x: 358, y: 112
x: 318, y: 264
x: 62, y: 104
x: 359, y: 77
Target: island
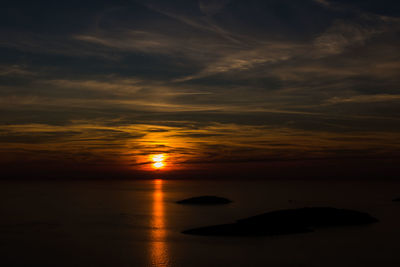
x: 290, y: 221
x: 205, y: 200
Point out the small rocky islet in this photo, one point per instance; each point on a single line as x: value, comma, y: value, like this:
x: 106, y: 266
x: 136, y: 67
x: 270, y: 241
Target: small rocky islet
x: 290, y: 221
x: 205, y: 200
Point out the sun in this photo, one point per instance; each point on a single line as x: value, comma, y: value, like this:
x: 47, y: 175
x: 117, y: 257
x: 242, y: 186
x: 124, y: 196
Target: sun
x: 158, y: 161
x: 158, y: 165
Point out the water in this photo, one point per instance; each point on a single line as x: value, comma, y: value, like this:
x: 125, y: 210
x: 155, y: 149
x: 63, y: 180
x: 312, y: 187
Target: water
x: 137, y: 223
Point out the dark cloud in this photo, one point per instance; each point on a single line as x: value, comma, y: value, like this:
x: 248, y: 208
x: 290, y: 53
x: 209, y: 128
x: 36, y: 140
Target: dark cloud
x: 382, y: 7
x: 45, y: 16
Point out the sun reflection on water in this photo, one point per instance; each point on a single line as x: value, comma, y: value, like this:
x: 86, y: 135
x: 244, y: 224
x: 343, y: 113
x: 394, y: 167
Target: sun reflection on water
x: 159, y: 252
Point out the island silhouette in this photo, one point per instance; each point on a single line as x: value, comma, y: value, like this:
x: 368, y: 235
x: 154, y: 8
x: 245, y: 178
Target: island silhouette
x: 289, y: 221
x: 205, y: 200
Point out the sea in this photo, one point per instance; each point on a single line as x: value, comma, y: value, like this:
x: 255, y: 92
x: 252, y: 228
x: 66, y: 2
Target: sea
x: 138, y: 223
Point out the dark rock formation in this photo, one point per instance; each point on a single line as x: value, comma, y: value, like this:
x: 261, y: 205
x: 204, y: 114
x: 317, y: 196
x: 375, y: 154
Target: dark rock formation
x: 205, y: 200
x: 289, y: 221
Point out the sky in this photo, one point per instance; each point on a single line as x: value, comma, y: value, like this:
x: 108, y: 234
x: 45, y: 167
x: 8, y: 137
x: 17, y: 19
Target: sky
x: 219, y: 88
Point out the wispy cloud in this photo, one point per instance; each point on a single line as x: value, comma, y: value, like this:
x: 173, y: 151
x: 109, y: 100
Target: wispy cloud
x: 212, y: 7
x: 247, y: 59
x: 323, y: 2
x: 364, y: 99
x: 131, y: 145
x: 342, y: 35
x: 15, y: 70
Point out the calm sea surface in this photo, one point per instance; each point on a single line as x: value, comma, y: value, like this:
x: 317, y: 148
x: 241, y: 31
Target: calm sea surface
x: 137, y: 223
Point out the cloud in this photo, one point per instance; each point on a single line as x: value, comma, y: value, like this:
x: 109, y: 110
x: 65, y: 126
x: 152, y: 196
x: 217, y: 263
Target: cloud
x: 15, y: 70
x: 202, y: 81
x: 45, y: 44
x: 258, y: 56
x: 385, y: 7
x: 342, y: 35
x: 323, y: 2
x: 114, y: 86
x: 211, y: 7
x: 364, y: 99
x: 130, y: 41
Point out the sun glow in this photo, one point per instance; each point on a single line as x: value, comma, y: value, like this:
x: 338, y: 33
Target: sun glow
x: 158, y: 165
x: 158, y: 161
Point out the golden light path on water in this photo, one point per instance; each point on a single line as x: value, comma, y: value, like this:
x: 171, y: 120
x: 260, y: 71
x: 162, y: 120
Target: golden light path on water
x: 158, y: 247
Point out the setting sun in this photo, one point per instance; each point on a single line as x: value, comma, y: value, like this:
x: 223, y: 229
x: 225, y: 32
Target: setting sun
x: 158, y: 161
